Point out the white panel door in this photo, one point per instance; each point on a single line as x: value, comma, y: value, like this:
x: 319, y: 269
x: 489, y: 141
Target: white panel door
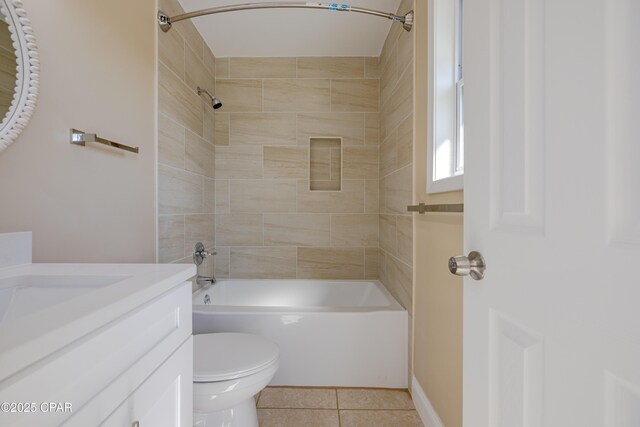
x: 552, y: 201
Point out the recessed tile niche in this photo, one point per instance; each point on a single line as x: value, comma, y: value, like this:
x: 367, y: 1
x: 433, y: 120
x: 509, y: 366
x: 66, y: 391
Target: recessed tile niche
x: 325, y: 164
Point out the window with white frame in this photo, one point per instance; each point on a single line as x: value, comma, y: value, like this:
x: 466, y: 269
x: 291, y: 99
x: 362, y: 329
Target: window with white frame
x: 446, y: 97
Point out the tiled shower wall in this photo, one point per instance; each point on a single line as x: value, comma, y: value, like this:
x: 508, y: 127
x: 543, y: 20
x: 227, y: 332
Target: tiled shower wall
x: 186, y: 154
x: 268, y: 223
x: 396, y: 163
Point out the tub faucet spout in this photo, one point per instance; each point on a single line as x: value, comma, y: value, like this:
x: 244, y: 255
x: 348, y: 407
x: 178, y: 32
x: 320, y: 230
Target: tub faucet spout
x: 204, y: 281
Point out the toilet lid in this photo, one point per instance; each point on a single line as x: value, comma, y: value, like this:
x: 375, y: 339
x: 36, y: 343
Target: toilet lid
x: 226, y: 356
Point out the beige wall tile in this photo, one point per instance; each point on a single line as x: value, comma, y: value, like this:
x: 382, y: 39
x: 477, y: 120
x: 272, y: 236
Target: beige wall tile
x: 297, y: 418
x: 372, y: 67
x: 371, y: 265
x: 371, y: 196
x: 348, y: 126
x: 286, y: 162
x: 205, y: 269
x: 360, y: 418
x: 262, y: 68
x: 388, y: 48
x: 397, y: 278
x: 388, y: 234
x: 238, y: 162
x: 382, y: 195
x: 222, y: 68
x: 405, y: 50
x: 360, y: 162
x: 170, y: 142
x: 297, y: 95
x: 400, y: 103
x: 297, y: 230
x: 222, y: 129
x: 355, y: 95
x: 263, y: 129
x: 191, y: 36
x: 388, y: 79
x: 388, y: 276
x: 199, y: 155
x: 209, y: 125
x: 210, y: 62
x: 374, y: 399
x: 199, y: 228
x: 239, y: 229
x: 240, y: 95
x: 252, y: 195
x: 222, y: 196
x: 196, y: 73
x: 209, y: 195
x: 401, y: 274
x: 179, y: 192
x: 389, y: 154
x: 405, y: 142
x: 351, y: 67
x: 283, y: 397
x: 329, y: 185
x: 263, y: 263
x: 170, y: 238
x: 405, y: 238
x: 177, y: 101
x: 221, y: 269
x: 354, y: 230
x: 331, y: 263
x: 372, y: 129
x: 320, y: 161
x: 399, y: 191
x: 349, y: 200
x: 336, y: 165
x: 171, y: 51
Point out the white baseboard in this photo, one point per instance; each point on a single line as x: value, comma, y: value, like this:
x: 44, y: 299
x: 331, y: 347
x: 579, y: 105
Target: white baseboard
x: 427, y: 414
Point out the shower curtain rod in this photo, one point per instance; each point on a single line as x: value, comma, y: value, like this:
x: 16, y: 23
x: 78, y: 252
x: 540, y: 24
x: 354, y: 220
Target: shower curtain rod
x: 166, y: 21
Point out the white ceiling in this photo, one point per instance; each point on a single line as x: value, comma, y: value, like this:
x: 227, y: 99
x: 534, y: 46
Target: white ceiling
x: 293, y: 32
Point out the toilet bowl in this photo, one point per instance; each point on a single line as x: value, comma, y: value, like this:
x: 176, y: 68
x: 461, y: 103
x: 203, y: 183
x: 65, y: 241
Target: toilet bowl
x: 229, y: 369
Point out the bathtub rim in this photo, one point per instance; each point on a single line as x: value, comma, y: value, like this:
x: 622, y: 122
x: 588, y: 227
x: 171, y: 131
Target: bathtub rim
x: 394, y: 305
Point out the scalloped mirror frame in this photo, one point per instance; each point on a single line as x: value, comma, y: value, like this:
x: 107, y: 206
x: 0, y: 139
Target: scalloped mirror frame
x: 27, y: 69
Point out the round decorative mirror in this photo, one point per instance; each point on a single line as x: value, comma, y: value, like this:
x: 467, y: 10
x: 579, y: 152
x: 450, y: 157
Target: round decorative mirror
x: 19, y: 71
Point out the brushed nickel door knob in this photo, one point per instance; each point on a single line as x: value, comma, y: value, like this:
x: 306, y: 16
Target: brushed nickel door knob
x: 472, y: 265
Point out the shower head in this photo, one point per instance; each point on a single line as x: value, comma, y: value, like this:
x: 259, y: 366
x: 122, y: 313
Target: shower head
x: 215, y: 102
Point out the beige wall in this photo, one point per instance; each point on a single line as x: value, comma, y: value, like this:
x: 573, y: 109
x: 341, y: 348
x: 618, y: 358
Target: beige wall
x: 437, y: 293
x: 268, y: 223
x: 98, y: 61
x: 396, y: 164
x: 186, y: 156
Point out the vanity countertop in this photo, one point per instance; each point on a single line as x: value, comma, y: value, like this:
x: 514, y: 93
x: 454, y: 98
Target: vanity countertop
x: 45, y: 307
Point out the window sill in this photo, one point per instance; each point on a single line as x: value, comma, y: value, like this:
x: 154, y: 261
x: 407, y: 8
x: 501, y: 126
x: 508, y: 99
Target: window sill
x: 444, y: 185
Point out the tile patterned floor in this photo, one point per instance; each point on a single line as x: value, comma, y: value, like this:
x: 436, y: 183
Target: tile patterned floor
x: 331, y: 407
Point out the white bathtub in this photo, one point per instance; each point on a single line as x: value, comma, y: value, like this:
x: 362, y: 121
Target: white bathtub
x: 330, y: 333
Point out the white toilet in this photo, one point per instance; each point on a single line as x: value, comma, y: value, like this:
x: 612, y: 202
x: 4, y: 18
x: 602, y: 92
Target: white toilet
x: 228, y: 370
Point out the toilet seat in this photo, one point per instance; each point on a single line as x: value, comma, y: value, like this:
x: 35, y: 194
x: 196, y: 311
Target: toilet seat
x: 227, y: 356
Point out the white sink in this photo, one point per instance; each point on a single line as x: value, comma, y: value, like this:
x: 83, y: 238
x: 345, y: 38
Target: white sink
x: 27, y: 294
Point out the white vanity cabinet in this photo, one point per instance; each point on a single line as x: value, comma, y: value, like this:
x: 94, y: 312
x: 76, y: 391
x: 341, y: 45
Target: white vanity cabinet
x: 164, y: 399
x: 121, y: 355
x: 156, y: 390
